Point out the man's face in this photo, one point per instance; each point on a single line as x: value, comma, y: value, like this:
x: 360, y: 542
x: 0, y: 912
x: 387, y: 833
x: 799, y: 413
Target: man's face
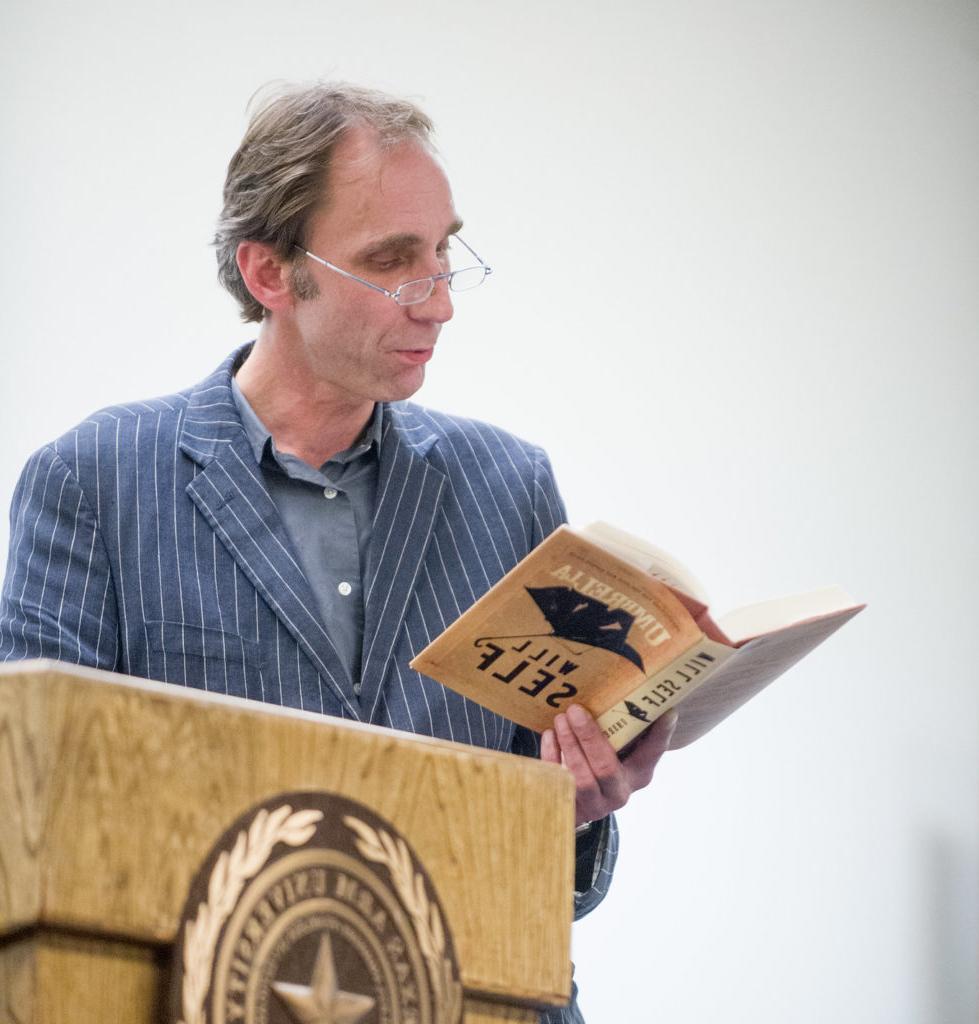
x: 387, y: 219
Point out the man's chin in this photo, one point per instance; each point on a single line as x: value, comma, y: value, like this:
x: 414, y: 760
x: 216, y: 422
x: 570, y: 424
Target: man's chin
x: 406, y: 384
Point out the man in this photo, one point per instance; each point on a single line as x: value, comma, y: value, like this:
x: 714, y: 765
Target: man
x: 291, y: 529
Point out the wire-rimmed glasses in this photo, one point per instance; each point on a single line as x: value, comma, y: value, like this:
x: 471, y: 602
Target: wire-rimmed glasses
x: 410, y: 293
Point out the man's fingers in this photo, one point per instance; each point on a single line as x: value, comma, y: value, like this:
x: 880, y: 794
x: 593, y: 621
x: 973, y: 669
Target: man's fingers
x: 603, y: 782
x: 641, y: 761
x: 572, y: 756
x: 549, y: 750
x: 589, y: 800
x: 602, y: 758
x: 591, y: 759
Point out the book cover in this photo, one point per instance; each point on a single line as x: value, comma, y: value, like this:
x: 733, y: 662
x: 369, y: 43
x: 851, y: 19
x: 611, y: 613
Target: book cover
x: 575, y: 623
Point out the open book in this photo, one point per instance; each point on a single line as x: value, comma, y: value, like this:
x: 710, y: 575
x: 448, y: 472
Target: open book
x: 600, y: 618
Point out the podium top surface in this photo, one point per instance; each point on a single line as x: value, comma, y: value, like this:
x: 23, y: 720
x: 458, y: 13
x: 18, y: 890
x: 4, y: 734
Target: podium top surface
x: 114, y: 789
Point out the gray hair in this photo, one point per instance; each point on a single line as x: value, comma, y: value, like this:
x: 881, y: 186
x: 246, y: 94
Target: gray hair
x: 281, y: 169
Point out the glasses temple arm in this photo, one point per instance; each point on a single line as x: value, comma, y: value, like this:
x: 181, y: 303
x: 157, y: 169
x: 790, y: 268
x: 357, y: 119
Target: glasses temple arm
x: 346, y: 273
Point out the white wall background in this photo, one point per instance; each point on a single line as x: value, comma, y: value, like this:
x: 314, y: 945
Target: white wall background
x: 739, y: 241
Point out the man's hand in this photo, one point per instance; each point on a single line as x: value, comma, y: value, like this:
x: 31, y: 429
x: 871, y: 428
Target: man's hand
x: 603, y: 782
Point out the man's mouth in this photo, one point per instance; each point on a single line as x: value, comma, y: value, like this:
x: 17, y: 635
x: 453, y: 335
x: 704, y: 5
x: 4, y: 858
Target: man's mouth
x: 415, y: 355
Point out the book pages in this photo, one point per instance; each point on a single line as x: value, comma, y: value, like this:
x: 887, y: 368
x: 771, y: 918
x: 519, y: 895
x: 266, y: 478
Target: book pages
x: 750, y: 669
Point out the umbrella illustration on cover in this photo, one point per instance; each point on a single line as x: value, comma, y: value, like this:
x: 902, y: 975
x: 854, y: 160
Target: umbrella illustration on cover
x: 577, y: 618
x: 636, y: 711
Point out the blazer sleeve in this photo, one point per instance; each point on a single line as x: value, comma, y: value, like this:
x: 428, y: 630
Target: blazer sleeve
x: 595, y: 855
x: 549, y: 510
x: 58, y: 599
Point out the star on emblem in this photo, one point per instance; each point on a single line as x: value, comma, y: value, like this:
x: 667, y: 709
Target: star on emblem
x: 321, y: 1002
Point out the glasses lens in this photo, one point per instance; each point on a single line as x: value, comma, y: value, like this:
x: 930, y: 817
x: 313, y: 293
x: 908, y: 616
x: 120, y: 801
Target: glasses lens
x: 463, y: 280
x: 415, y: 291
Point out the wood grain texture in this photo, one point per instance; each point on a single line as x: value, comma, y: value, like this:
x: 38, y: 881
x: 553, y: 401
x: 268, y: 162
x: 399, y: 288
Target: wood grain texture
x: 57, y: 979
x: 113, y: 791
x: 18, y: 982
x: 477, y: 1011
x: 54, y: 979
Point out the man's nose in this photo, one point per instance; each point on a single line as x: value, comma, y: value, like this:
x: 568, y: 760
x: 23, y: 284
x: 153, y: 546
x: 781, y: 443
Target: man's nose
x: 437, y: 307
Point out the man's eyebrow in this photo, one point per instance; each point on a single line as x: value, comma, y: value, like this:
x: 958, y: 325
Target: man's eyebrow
x: 403, y: 240
x: 393, y: 243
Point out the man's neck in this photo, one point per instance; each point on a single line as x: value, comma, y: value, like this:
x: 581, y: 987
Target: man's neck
x: 307, y: 419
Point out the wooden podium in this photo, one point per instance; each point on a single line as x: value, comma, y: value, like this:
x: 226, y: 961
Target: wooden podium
x: 113, y: 790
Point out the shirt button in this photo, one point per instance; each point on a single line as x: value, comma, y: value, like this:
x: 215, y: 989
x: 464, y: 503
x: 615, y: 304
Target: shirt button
x: 344, y: 588
x: 330, y: 492
x: 357, y: 689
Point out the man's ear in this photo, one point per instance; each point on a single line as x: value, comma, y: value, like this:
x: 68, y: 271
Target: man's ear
x: 266, y: 275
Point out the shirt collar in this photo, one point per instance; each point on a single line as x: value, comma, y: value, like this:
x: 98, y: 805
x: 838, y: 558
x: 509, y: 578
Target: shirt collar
x: 260, y: 439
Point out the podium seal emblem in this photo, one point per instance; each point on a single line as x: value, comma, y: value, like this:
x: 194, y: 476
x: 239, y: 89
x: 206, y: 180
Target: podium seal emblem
x: 311, y: 909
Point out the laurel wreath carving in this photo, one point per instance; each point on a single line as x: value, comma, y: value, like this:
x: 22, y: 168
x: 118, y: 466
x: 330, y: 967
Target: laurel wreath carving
x: 246, y: 858
x: 381, y: 848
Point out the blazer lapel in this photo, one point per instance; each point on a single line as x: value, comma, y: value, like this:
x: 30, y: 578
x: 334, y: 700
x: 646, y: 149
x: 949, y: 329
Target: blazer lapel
x: 230, y: 494
x: 409, y: 492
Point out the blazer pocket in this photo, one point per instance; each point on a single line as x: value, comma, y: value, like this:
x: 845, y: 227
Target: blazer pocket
x: 210, y: 659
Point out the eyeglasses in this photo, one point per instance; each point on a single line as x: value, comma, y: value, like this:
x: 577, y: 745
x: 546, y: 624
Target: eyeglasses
x: 410, y: 293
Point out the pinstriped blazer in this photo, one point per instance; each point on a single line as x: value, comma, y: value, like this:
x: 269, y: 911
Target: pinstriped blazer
x: 144, y: 541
